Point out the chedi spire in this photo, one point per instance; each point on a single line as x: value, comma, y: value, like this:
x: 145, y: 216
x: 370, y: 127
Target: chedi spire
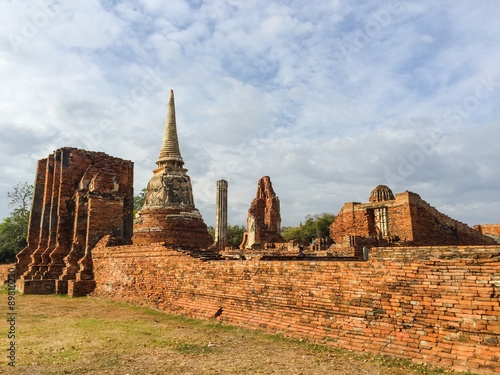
x: 170, y: 154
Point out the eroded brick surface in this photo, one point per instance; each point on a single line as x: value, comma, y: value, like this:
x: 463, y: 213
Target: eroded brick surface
x: 490, y: 230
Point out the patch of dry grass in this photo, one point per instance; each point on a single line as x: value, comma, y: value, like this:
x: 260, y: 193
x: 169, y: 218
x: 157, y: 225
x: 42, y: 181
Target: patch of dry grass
x: 61, y: 335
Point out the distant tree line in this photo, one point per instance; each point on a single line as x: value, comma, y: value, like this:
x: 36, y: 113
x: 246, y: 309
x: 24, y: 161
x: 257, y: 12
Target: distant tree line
x: 139, y: 200
x: 314, y: 226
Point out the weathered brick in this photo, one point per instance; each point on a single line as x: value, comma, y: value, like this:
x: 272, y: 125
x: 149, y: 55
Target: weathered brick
x: 79, y: 197
x: 351, y: 304
x: 404, y: 218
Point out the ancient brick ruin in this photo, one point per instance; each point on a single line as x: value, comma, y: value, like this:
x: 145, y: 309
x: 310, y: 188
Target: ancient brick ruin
x: 404, y: 219
x: 264, y: 218
x: 79, y: 196
x: 169, y: 214
x: 427, y: 288
x: 490, y: 230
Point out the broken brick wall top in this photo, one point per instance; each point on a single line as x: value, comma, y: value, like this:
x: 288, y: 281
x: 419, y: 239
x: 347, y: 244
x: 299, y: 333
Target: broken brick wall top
x: 407, y: 219
x: 431, y: 227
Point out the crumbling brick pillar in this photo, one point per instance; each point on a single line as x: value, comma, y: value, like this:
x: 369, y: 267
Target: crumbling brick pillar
x: 53, y: 218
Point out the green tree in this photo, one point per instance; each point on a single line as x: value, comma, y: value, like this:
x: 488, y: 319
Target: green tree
x: 139, y: 200
x: 20, y: 197
x: 211, y: 231
x: 234, y: 234
x: 314, y: 226
x: 14, y: 228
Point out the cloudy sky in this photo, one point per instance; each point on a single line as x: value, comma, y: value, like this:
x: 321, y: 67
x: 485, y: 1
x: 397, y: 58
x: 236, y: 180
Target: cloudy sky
x: 328, y: 98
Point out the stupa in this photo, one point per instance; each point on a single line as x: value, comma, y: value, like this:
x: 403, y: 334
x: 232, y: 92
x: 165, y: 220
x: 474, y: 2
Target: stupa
x: 169, y: 214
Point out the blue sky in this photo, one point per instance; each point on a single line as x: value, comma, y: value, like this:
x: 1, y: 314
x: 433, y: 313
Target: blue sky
x: 328, y: 98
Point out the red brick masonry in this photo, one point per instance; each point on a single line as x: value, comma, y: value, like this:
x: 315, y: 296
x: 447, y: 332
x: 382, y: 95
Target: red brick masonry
x: 438, y: 305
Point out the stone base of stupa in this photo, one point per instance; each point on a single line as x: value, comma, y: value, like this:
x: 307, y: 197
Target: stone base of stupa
x: 173, y: 226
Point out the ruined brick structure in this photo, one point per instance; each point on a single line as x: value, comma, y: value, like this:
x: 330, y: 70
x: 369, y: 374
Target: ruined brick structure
x: 264, y: 219
x: 430, y: 298
x: 169, y: 214
x: 79, y: 197
x: 490, y: 230
x: 403, y: 219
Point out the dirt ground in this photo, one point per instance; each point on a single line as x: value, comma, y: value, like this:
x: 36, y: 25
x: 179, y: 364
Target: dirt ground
x: 61, y: 335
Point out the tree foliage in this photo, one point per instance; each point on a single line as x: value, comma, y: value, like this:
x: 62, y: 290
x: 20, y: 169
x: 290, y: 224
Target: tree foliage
x: 234, y: 234
x: 14, y: 228
x: 315, y: 226
x: 20, y: 197
x: 139, y: 200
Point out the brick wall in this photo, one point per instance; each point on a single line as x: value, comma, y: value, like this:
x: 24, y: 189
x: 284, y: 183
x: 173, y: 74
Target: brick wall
x: 490, y: 230
x: 4, y: 272
x: 439, y: 305
x: 433, y: 227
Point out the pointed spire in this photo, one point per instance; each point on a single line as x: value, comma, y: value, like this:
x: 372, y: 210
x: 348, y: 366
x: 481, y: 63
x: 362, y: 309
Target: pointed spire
x: 170, y: 154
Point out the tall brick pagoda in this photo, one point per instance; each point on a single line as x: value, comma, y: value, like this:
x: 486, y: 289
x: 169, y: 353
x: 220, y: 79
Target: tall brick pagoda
x: 264, y: 218
x: 169, y: 214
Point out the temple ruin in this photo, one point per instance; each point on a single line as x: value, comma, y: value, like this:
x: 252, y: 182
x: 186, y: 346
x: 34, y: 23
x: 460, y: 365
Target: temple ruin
x: 169, y: 214
x: 264, y: 218
x: 79, y: 196
x: 428, y: 291
x: 403, y: 219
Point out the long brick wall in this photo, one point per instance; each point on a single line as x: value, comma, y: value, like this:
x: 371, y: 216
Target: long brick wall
x: 438, y: 305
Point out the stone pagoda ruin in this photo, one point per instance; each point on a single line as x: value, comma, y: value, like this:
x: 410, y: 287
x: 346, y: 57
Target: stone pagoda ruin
x: 264, y: 218
x: 169, y: 214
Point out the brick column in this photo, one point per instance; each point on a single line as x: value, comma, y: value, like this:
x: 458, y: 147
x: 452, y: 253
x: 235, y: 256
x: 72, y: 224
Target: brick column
x: 221, y: 215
